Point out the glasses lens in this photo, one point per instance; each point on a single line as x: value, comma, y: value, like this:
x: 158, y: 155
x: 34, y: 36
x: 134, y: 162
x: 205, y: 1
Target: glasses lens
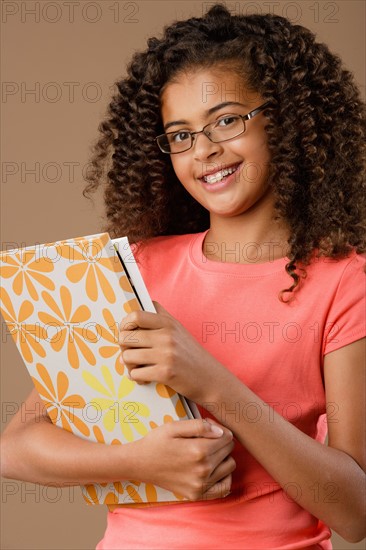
x: 178, y: 141
x: 226, y: 128
x: 163, y: 143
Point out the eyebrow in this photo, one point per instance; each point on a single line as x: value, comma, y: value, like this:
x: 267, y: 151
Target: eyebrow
x: 208, y: 113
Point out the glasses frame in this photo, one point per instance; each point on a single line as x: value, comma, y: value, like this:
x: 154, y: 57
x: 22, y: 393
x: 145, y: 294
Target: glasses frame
x: 248, y: 116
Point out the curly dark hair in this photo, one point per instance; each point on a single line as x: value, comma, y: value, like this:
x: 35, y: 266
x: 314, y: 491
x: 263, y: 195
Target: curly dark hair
x: 316, y: 134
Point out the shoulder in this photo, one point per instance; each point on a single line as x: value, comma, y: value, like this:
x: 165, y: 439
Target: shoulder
x: 335, y: 270
x: 342, y: 291
x: 333, y: 281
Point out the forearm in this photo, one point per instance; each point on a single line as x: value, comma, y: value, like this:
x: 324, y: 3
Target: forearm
x: 40, y: 452
x: 323, y: 480
x: 195, y: 461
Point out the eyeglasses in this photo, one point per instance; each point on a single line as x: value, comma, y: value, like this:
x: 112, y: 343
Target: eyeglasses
x: 225, y: 128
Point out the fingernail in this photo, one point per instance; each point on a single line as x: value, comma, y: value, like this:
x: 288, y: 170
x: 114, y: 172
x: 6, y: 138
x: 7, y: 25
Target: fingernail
x: 216, y: 430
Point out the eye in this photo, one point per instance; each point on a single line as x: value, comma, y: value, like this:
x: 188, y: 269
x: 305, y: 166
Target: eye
x: 227, y: 120
x: 178, y: 137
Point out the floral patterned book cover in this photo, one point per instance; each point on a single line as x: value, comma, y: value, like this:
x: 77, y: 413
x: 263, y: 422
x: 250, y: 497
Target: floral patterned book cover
x: 62, y: 303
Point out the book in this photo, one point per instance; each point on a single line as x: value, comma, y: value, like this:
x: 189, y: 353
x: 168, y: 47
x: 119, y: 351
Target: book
x: 62, y: 303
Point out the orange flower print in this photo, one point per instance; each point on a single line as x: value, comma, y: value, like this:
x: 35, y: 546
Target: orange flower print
x: 69, y: 327
x: 131, y: 305
x: 100, y: 437
x: 91, y: 491
x: 109, y: 331
x: 139, y: 493
x: 88, y: 263
x: 59, y: 405
x: 133, y: 494
x: 26, y: 336
x: 96, y: 493
x: 165, y: 391
x: 24, y: 267
x: 125, y: 284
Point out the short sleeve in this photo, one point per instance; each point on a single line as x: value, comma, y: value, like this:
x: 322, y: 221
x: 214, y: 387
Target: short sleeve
x: 346, y: 320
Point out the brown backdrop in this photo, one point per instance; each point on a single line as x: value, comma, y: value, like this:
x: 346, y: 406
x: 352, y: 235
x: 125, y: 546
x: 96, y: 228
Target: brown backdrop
x: 59, y: 60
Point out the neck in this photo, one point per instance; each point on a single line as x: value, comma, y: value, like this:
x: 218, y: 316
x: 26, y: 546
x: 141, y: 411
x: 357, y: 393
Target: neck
x: 246, y: 239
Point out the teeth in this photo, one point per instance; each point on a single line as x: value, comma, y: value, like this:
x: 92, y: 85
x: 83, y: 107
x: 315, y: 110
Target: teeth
x: 218, y: 176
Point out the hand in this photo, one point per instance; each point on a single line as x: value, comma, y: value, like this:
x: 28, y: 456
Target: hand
x: 157, y: 348
x: 189, y: 458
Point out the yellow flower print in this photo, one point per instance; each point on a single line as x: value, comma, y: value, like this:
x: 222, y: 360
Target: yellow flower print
x: 23, y: 267
x: 26, y: 336
x: 109, y: 331
x: 60, y: 406
x: 66, y: 325
x: 115, y: 408
x: 88, y: 263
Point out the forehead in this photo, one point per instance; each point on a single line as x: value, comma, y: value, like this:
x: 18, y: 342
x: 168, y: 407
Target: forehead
x: 193, y: 92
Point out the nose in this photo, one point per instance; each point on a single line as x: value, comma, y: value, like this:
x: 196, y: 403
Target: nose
x: 204, y: 148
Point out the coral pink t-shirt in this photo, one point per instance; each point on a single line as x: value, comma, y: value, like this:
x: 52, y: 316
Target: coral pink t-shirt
x: 277, y: 350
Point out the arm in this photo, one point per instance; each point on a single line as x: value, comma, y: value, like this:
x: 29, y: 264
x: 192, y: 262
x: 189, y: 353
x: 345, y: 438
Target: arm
x: 195, y: 457
x: 33, y: 449
x: 332, y: 478
x: 288, y: 454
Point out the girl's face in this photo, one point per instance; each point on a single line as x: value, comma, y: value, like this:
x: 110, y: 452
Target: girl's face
x: 197, y: 98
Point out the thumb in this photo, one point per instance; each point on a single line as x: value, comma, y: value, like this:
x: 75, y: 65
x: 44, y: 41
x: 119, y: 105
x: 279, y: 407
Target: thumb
x: 160, y: 309
x: 196, y: 428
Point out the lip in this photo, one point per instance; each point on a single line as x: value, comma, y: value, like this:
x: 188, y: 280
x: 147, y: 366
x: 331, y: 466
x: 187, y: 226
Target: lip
x: 225, y: 182
x: 218, y: 169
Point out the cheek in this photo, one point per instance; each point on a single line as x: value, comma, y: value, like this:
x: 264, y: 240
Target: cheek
x: 258, y: 158
x: 180, y: 167
x: 256, y: 173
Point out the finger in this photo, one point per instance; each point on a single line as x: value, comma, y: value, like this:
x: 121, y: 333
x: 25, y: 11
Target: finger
x: 134, y: 362
x: 160, y: 309
x: 131, y: 357
x: 141, y: 319
x: 219, y: 489
x: 215, y: 450
x: 222, y: 453
x: 215, y: 423
x: 223, y: 469
x: 199, y: 428
x: 132, y: 338
x: 141, y: 374
x: 136, y: 338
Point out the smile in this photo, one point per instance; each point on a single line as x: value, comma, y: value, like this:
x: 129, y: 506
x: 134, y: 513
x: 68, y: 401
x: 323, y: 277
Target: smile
x: 220, y: 174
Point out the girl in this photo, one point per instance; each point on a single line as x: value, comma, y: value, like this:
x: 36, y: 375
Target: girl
x: 234, y: 158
